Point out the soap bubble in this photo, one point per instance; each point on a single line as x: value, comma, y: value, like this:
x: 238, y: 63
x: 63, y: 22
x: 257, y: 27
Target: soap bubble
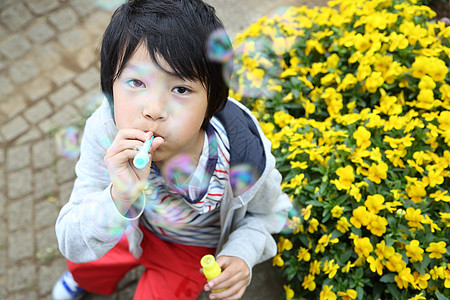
x: 242, y: 178
x: 218, y: 46
x: 109, y: 4
x: 168, y: 214
x: 67, y: 142
x: 293, y: 222
x: 178, y: 171
x: 219, y: 49
x: 256, y: 69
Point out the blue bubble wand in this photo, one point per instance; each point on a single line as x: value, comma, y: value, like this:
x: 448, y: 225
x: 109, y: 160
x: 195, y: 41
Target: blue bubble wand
x: 141, y: 158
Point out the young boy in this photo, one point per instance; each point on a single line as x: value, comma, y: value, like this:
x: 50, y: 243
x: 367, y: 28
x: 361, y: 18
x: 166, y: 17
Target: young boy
x: 184, y: 203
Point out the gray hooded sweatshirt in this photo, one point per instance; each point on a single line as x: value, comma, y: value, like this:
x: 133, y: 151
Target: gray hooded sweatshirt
x: 90, y: 225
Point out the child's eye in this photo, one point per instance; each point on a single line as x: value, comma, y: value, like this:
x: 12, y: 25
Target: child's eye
x: 136, y: 83
x: 181, y: 90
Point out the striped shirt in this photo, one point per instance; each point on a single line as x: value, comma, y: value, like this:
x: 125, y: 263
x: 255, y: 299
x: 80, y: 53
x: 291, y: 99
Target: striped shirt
x: 189, y: 213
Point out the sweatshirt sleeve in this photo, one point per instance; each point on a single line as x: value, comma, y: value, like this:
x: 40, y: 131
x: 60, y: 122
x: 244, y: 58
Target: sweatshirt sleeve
x: 89, y: 225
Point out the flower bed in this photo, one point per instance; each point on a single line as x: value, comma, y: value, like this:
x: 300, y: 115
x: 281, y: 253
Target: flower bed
x: 355, y: 98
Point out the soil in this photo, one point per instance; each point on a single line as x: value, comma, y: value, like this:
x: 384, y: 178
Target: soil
x: 441, y: 8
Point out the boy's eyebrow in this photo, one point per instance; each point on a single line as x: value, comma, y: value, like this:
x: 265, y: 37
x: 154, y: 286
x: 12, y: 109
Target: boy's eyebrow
x: 141, y: 69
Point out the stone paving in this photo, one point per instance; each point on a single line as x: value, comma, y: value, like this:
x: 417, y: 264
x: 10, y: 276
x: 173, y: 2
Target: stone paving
x: 49, y: 77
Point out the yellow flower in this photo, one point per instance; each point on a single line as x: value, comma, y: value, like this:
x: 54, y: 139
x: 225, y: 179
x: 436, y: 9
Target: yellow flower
x: 333, y: 60
x: 440, y: 196
x: 395, y: 263
x: 374, y: 81
x: 277, y: 261
x: 438, y: 69
x: 314, y: 45
x: 284, y: 244
x: 421, y: 280
x: 362, y: 137
x: 427, y: 83
x: 363, y: 247
x: 383, y: 251
x: 347, y: 267
x: 333, y: 99
x: 433, y: 226
x: 445, y: 218
x: 299, y: 164
x: 303, y: 254
x: 314, y: 267
x: 282, y: 45
x: 350, y: 294
x: 437, y: 249
x: 324, y: 241
x: 306, y: 212
x: 437, y: 273
x: 355, y: 192
x: 377, y: 225
x: 425, y: 99
x: 414, y: 251
x: 418, y: 297
x: 398, y: 41
x: 346, y: 178
x: 347, y: 83
x: 296, y: 181
x: 389, y: 105
x: 289, y: 292
x: 414, y: 216
x: 447, y: 277
x: 444, y: 120
x: 416, y: 191
x: 282, y: 118
x: 336, y: 211
x: 256, y: 76
x: 376, y: 265
x: 308, y: 282
x: 327, y: 294
x: 377, y: 172
x: 313, y: 225
x: 374, y: 203
x: 404, y: 278
x: 395, y: 157
x: 362, y: 42
x: 343, y: 225
x: 360, y: 217
x: 330, y: 268
x: 432, y: 66
x: 435, y: 177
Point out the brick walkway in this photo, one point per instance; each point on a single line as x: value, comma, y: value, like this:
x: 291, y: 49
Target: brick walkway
x: 49, y: 75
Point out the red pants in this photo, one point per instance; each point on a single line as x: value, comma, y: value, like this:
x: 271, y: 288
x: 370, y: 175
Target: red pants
x: 171, y: 270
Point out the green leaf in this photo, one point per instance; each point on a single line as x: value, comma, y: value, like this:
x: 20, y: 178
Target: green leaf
x: 360, y: 292
x: 424, y: 264
x: 393, y: 288
x: 387, y: 278
x: 371, y: 188
x: 346, y: 256
x: 440, y: 296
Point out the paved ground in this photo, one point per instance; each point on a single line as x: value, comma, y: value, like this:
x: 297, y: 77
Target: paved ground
x: 49, y: 75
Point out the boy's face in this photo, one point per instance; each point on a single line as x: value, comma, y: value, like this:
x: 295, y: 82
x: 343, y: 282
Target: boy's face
x: 149, y: 99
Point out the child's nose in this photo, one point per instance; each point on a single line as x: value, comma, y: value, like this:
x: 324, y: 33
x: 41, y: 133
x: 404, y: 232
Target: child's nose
x: 156, y: 108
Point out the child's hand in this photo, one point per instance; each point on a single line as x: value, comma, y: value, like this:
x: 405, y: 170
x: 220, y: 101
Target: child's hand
x: 128, y: 181
x: 234, y: 279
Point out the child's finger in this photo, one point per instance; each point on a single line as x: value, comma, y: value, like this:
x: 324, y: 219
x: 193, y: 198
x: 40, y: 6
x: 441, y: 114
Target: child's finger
x: 127, y: 139
x: 157, y: 141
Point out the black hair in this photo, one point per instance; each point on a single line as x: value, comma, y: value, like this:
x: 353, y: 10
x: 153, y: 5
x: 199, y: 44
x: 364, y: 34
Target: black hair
x: 177, y: 31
